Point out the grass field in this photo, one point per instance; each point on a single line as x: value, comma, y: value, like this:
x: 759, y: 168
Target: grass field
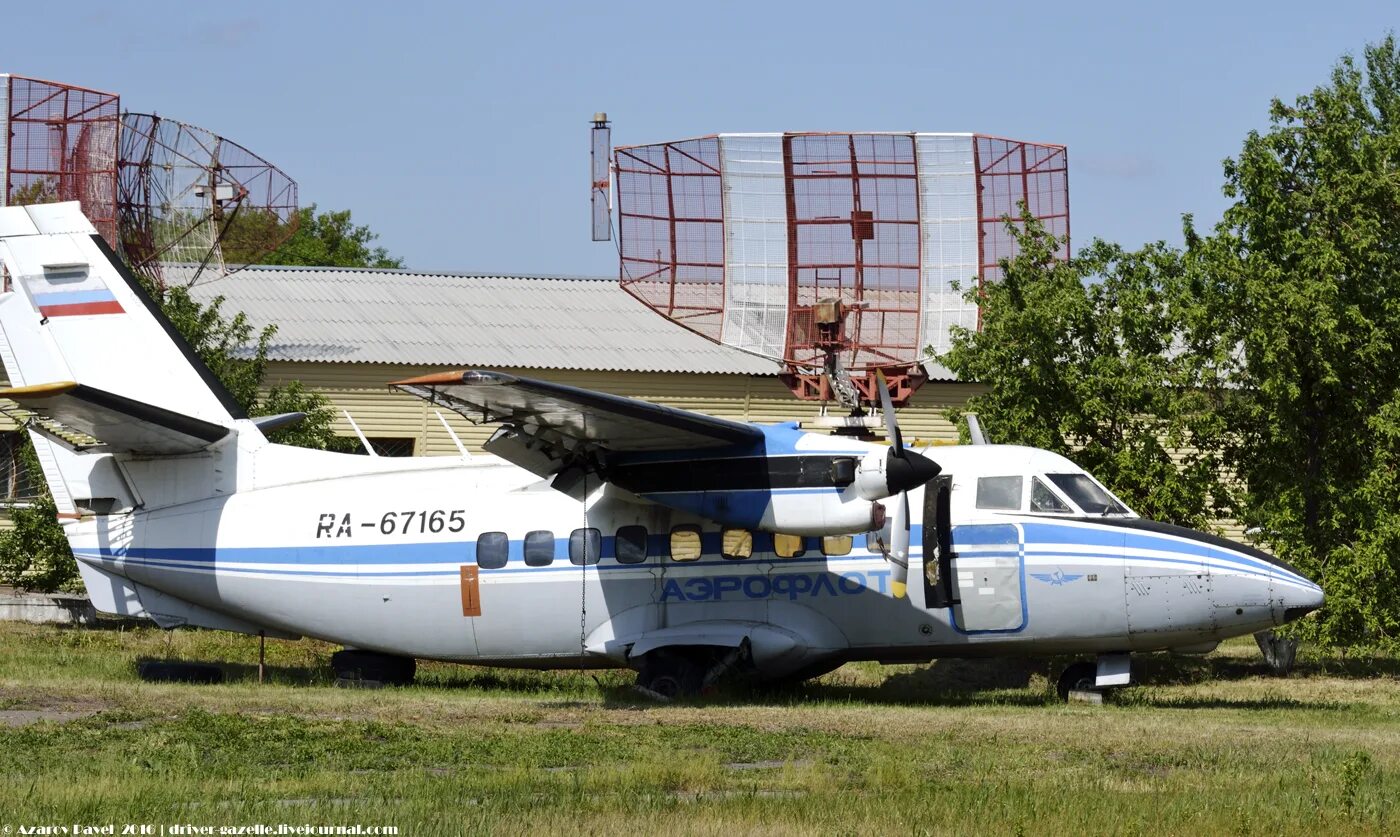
x: 1202, y: 745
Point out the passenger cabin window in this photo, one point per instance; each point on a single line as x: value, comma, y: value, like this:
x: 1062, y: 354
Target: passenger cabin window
x: 836, y: 545
x: 492, y: 550
x: 877, y: 537
x: 1087, y: 494
x: 999, y: 493
x: 631, y: 544
x: 539, y: 548
x: 789, y: 546
x: 685, y: 543
x: 585, y: 545
x: 1045, y: 500
x: 736, y: 544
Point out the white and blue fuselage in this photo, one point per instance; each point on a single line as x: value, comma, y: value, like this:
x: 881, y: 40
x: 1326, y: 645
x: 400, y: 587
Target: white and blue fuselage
x: 481, y: 561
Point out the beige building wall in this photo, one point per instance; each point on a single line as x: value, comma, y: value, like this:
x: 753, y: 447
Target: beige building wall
x: 381, y: 412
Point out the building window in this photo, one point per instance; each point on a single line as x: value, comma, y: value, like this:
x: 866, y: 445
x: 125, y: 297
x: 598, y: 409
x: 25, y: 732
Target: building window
x: 584, y: 546
x: 836, y: 545
x: 539, y: 548
x: 789, y: 546
x: 685, y: 543
x: 385, y: 445
x: 631, y: 544
x: 492, y: 550
x: 736, y: 544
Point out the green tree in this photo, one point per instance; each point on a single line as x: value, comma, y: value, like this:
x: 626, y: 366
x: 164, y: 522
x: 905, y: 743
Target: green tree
x: 34, y: 554
x: 238, y: 358
x: 1298, y: 299
x: 321, y: 239
x: 1080, y: 357
x: 38, y: 190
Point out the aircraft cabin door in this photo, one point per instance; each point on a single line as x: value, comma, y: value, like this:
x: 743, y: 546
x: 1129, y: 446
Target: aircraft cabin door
x: 939, y: 590
x: 976, y: 569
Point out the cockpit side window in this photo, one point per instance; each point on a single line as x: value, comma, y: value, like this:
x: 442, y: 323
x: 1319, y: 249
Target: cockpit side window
x: 1087, y: 494
x: 999, y: 493
x: 1045, y: 500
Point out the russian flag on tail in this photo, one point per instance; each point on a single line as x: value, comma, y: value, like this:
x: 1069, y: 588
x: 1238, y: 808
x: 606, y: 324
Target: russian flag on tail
x: 72, y: 294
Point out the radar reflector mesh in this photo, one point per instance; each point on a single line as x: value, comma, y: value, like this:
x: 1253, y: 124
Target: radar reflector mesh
x: 748, y: 238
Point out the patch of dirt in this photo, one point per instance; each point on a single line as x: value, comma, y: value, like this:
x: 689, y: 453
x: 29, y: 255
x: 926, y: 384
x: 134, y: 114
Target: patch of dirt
x: 25, y: 717
x: 22, y: 709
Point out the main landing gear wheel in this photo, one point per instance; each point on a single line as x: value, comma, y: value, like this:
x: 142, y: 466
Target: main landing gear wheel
x: 1077, y: 677
x: 671, y: 676
x: 367, y: 668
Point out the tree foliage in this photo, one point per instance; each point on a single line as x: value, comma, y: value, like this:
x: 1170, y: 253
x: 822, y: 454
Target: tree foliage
x: 322, y: 239
x: 34, y: 554
x: 238, y: 358
x: 1080, y: 358
x: 1300, y: 282
x: 1270, y: 348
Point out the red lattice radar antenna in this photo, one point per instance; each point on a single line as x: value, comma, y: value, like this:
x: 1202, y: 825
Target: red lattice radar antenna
x: 835, y: 254
x: 179, y: 202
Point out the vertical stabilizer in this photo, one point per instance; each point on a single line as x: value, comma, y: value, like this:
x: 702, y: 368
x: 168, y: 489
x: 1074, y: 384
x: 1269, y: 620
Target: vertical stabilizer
x: 72, y: 311
x: 87, y: 347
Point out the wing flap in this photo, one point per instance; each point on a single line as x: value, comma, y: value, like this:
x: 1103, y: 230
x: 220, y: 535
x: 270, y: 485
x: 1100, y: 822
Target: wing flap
x: 583, y: 417
x: 121, y: 424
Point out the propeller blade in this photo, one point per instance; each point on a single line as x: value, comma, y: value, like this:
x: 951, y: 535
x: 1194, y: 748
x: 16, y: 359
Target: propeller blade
x: 899, y: 548
x: 887, y: 406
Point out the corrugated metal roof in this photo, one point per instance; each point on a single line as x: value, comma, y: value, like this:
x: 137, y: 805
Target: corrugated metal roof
x: 355, y: 315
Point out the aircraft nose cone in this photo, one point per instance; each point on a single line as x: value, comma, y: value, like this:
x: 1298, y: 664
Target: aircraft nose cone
x: 908, y: 471
x: 1300, y: 604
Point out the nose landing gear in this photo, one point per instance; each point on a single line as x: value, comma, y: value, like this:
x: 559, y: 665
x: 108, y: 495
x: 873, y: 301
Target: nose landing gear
x: 1077, y: 677
x: 1094, y: 678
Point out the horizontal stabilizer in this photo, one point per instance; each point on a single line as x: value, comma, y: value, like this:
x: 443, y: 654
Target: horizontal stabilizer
x: 121, y: 424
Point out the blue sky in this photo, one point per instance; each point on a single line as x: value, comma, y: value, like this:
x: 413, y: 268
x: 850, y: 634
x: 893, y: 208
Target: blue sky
x: 459, y: 131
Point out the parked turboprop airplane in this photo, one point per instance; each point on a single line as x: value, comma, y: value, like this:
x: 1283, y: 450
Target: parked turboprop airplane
x: 604, y: 531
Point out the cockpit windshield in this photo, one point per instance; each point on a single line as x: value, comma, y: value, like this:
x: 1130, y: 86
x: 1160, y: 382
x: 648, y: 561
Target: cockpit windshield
x: 1087, y: 494
x: 1046, y: 501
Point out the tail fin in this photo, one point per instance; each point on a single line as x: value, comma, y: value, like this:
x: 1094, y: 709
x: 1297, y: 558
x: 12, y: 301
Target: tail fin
x: 87, y: 347
x: 72, y: 312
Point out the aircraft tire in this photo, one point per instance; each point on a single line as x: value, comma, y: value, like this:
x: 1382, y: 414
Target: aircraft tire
x: 1076, y: 677
x: 355, y: 667
x: 671, y: 675
x: 154, y: 671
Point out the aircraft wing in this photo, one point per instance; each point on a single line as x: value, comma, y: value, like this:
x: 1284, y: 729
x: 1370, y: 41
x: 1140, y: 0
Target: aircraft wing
x: 120, y: 423
x: 569, y: 419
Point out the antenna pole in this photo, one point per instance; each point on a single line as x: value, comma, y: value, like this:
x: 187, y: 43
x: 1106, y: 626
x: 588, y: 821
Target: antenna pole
x: 601, y: 179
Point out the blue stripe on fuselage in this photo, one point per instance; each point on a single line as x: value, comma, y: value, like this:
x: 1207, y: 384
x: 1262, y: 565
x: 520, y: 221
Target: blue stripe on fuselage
x: 1041, y: 537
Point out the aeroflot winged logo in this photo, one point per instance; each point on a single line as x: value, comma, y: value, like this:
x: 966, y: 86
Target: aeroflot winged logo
x: 1058, y: 578
x: 67, y: 292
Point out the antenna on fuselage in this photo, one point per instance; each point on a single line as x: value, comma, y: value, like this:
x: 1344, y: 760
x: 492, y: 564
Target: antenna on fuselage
x: 369, y: 449
x: 974, y: 429
x: 461, y: 448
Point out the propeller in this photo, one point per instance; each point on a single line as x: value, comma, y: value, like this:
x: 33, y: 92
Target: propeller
x: 897, y: 552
